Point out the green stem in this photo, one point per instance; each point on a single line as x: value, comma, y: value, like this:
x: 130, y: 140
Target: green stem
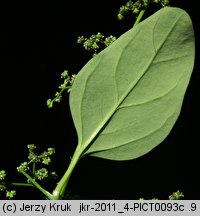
x: 139, y: 17
x: 33, y: 168
x: 45, y: 192
x: 59, y: 191
x: 21, y: 184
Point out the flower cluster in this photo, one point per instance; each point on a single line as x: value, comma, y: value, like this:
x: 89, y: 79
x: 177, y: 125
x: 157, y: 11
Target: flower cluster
x: 66, y: 85
x: 93, y: 43
x: 136, y: 7
x: 41, y: 173
x: 164, y: 3
x: 129, y: 6
x: 176, y: 195
x: 43, y: 158
x: 9, y: 193
x: 96, y: 43
x: 23, y: 167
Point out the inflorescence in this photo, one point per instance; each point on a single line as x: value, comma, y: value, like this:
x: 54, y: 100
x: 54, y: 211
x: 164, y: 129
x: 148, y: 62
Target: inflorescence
x: 96, y: 42
x: 65, y: 86
x: 136, y: 7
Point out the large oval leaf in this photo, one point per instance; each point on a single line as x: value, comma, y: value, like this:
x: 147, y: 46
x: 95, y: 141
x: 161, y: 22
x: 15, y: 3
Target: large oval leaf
x: 125, y: 100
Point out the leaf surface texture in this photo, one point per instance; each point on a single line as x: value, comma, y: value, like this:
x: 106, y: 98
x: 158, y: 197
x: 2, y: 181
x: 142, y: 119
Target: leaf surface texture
x: 126, y: 99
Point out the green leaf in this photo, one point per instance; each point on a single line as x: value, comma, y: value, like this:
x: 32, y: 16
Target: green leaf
x: 125, y: 100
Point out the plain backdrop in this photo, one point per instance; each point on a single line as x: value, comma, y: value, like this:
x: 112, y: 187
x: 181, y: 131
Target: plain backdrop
x: 38, y: 42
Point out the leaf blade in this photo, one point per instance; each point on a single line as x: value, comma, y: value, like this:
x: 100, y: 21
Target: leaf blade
x: 143, y: 65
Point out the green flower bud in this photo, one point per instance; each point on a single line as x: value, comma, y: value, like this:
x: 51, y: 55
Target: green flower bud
x: 46, y: 160
x: 81, y: 39
x: 120, y: 16
x: 2, y: 174
x: 64, y: 74
x: 109, y: 40
x: 51, y: 151
x: 176, y: 195
x: 2, y: 188
x: 33, y: 157
x: 41, y: 173
x: 49, y: 103
x: 23, y: 167
x: 10, y: 194
x: 31, y: 147
x: 136, y: 11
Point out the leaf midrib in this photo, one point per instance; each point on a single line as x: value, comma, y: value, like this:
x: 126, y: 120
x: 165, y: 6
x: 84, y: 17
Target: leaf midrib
x: 138, y: 139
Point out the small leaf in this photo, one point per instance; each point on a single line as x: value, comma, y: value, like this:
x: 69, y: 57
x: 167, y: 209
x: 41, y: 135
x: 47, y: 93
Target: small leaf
x: 125, y: 100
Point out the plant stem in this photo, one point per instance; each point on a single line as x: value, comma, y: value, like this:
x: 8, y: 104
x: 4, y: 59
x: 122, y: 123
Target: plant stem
x: 33, y: 168
x: 45, y: 192
x: 21, y: 184
x: 59, y: 191
x: 139, y: 17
